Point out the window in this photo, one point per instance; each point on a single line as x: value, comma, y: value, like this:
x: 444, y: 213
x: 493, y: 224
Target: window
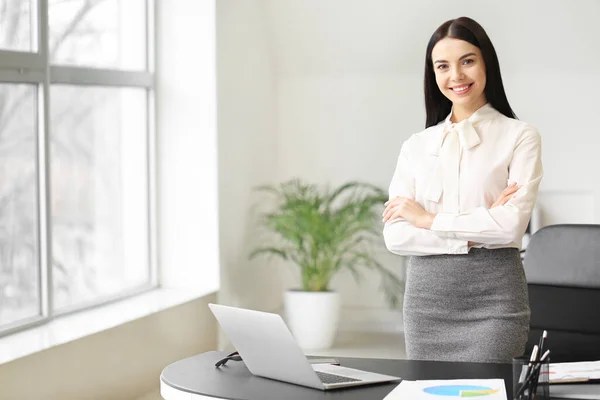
x: 17, y: 31
x: 76, y: 96
x: 19, y: 250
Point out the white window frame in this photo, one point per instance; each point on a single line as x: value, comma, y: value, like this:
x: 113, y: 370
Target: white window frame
x: 35, y: 68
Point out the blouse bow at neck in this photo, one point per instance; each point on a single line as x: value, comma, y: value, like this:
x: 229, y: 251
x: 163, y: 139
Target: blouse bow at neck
x: 452, y: 140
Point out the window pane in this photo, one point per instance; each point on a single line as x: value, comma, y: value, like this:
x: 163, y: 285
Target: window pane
x: 99, y: 192
x: 19, y: 254
x: 15, y: 25
x: 98, y: 33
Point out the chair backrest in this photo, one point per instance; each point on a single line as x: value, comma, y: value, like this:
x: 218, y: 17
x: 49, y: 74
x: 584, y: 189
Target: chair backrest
x: 562, y: 265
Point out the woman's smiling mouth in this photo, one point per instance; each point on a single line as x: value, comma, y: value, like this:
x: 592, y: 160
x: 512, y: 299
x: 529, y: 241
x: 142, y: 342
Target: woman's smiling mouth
x: 462, y: 89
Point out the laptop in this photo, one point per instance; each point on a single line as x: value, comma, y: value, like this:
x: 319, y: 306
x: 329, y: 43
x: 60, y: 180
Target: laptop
x: 269, y: 350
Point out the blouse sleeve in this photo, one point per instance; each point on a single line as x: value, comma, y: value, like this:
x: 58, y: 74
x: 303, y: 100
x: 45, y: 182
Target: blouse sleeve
x: 504, y: 224
x: 403, y: 238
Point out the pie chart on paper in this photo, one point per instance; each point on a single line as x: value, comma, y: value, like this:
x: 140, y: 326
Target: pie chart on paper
x: 462, y: 391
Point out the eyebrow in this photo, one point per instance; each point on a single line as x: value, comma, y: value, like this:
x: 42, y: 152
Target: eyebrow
x: 465, y: 56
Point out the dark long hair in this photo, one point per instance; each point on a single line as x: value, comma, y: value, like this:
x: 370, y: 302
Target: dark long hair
x: 437, y: 105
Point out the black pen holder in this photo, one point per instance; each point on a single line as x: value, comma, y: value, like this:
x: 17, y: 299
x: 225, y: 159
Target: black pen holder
x: 531, y: 383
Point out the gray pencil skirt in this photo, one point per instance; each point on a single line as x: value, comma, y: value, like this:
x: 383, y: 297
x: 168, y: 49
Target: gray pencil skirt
x: 466, y: 307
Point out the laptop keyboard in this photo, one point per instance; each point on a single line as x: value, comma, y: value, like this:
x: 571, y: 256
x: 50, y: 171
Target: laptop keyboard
x: 331, y: 378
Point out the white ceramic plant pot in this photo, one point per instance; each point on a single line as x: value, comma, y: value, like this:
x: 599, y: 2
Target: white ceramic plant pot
x: 312, y: 317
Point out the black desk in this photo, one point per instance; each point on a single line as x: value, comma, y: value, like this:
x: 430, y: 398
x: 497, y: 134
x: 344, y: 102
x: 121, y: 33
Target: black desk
x: 197, y: 378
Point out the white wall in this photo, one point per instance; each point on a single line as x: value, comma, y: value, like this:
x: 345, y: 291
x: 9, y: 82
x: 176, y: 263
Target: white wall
x: 121, y: 363
x: 186, y: 145
x: 247, y: 149
x: 339, y: 128
x: 348, y: 91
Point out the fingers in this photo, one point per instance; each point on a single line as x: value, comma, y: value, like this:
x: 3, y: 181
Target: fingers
x: 388, y: 206
x: 513, y: 187
x: 392, y: 208
x: 397, y: 213
x: 392, y: 200
x: 390, y: 211
x: 504, y: 200
x: 511, y: 190
x: 506, y: 195
x: 392, y: 203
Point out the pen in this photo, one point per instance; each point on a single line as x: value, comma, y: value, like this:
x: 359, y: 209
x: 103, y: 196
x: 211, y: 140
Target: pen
x: 542, y: 339
x: 532, y: 359
x: 534, y: 382
x: 527, y: 368
x: 533, y: 372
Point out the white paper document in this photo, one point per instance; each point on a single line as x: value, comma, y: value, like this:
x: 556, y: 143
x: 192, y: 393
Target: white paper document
x: 574, y: 371
x: 482, y: 389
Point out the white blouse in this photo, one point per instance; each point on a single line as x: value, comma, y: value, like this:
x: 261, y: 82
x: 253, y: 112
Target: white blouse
x: 458, y: 170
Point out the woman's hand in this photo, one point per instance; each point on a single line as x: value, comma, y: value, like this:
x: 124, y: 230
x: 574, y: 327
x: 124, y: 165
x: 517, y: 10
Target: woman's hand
x: 408, y: 209
x: 506, y: 195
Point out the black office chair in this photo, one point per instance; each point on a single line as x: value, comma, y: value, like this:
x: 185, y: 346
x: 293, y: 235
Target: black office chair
x: 562, y: 265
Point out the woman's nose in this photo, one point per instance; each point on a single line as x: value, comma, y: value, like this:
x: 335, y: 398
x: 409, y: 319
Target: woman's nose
x: 457, y: 74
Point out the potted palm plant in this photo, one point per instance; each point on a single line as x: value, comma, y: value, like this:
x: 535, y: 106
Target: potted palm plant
x: 323, y: 231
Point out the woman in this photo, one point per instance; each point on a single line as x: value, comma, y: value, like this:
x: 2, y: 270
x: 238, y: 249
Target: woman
x: 460, y: 201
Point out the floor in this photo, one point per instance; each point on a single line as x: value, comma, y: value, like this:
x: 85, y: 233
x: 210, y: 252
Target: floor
x: 349, y: 344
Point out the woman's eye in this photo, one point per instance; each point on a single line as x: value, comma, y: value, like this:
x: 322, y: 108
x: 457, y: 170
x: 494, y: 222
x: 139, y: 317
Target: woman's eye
x: 442, y: 66
x: 468, y: 61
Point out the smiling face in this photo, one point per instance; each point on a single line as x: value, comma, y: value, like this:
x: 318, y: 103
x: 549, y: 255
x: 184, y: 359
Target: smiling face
x: 460, y: 73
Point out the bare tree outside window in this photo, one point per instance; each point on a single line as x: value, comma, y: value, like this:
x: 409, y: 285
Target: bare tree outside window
x: 19, y: 250
x: 99, y: 192
x: 98, y: 159
x: 98, y: 33
x: 98, y: 137
x: 19, y: 272
x: 15, y: 25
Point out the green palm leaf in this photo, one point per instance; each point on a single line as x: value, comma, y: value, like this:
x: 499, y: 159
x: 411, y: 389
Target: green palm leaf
x: 324, y: 231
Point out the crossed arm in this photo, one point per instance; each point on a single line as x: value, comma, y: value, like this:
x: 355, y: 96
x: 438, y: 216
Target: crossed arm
x: 403, y: 208
x: 411, y: 230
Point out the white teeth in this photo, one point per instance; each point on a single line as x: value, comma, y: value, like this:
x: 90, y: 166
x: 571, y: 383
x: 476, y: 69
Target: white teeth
x: 460, y: 89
